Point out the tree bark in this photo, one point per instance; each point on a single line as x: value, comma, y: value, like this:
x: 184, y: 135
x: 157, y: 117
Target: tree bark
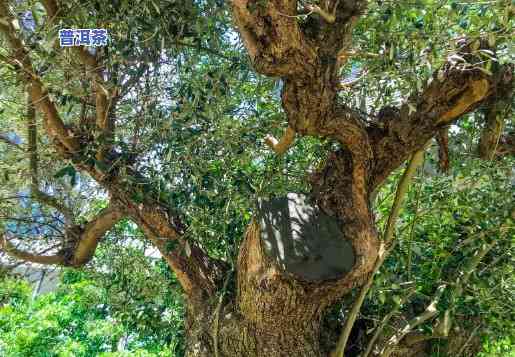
x: 273, y: 311
x: 271, y: 314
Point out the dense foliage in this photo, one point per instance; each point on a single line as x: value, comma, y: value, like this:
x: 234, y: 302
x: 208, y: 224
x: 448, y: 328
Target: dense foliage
x: 191, y: 118
x: 135, y: 301
x: 94, y: 314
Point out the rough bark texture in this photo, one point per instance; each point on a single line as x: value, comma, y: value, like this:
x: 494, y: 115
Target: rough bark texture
x: 492, y: 143
x: 270, y: 313
x: 274, y: 313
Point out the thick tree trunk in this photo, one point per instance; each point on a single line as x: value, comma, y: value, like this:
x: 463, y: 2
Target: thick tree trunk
x: 299, y: 257
x: 270, y: 315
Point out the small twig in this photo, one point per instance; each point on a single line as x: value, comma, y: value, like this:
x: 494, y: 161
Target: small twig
x: 462, y: 349
x: 296, y: 16
x: 384, y: 322
x: 286, y: 141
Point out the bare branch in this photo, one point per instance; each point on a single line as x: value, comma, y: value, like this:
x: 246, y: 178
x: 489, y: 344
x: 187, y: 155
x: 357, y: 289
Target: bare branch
x: 469, y: 339
x: 93, y: 232
x: 83, y: 242
x: 278, y: 46
x: 12, y: 251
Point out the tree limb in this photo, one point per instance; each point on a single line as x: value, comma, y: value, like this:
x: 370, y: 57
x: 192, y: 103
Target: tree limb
x: 20, y: 59
x: 82, y: 247
x: 12, y: 251
x: 385, y: 248
x: 103, y: 98
x: 196, y: 271
x: 198, y: 274
x: 275, y: 42
x: 456, y: 89
x: 442, y: 137
x: 93, y: 232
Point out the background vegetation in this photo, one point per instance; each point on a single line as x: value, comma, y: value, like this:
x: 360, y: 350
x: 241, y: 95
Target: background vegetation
x: 194, y: 116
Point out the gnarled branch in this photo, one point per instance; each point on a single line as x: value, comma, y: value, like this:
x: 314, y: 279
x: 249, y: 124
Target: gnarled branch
x: 273, y: 37
x: 83, y: 242
x: 386, y: 246
x: 286, y: 141
x: 92, y: 232
x: 198, y: 274
x: 456, y: 89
